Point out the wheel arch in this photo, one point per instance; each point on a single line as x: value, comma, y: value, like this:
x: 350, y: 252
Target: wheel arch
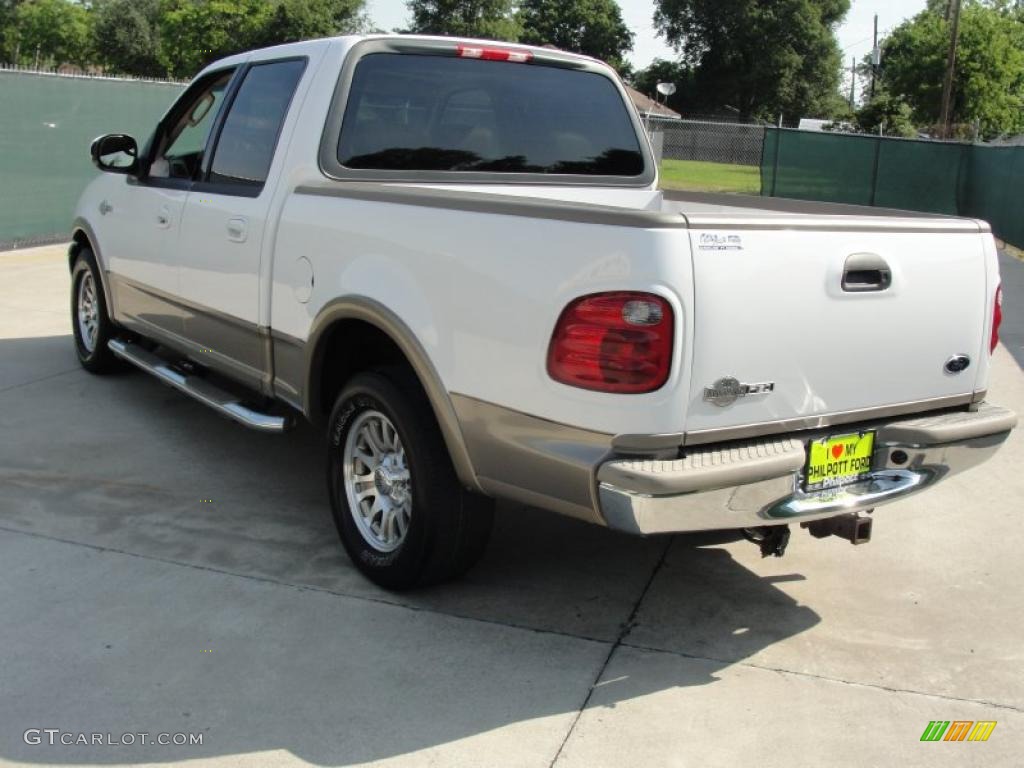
x: 82, y: 236
x: 360, y: 309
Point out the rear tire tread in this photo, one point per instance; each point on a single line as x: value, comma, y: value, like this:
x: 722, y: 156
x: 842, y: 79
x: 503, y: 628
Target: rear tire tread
x: 449, y: 527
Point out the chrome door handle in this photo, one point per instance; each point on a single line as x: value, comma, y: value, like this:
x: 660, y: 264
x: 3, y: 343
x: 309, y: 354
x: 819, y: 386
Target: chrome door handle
x: 864, y: 272
x: 238, y: 229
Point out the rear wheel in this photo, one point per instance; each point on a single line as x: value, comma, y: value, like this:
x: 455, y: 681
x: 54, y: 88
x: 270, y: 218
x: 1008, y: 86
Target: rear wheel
x: 90, y: 323
x: 400, y: 511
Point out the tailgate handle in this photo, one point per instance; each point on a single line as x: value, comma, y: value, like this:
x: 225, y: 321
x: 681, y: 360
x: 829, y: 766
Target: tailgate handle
x: 866, y: 272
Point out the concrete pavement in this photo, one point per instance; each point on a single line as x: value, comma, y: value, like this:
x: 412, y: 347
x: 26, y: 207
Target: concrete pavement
x: 130, y: 604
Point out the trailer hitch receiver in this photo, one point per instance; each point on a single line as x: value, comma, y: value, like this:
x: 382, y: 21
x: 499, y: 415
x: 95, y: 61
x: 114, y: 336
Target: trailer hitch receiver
x: 854, y: 527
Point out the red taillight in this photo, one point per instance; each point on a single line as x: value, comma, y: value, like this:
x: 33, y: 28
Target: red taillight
x: 488, y: 53
x: 997, y: 319
x: 613, y: 342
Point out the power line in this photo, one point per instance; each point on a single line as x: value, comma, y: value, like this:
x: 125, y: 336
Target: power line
x: 883, y: 34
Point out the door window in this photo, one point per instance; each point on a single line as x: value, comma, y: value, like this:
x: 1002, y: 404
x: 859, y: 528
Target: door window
x: 246, y: 144
x: 181, y: 154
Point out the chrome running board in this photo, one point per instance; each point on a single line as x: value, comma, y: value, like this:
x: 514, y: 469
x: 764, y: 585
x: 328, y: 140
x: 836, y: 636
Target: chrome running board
x: 199, y: 388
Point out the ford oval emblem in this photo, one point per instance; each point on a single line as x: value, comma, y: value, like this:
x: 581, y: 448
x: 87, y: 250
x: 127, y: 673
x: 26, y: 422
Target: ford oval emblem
x: 957, y: 364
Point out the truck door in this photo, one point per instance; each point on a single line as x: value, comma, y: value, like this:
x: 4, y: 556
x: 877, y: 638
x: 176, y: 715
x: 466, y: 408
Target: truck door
x: 141, y: 249
x: 224, y: 221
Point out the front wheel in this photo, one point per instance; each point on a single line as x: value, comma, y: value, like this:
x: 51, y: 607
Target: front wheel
x: 90, y: 323
x: 400, y: 511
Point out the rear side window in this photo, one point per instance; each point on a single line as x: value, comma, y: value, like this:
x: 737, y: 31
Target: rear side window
x: 411, y: 112
x: 246, y: 145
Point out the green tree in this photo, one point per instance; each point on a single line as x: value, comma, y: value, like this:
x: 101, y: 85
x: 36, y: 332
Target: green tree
x: 591, y: 27
x: 7, y: 9
x: 194, y: 33
x: 889, y: 113
x: 660, y: 71
x: 989, y: 85
x: 6, y: 23
x: 126, y: 37
x: 761, y: 58
x: 489, y: 19
x: 293, y: 20
x: 52, y: 32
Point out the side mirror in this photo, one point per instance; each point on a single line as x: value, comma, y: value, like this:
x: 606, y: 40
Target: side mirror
x: 116, y: 153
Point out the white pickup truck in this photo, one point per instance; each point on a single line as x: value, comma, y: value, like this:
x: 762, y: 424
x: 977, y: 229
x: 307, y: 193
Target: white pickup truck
x: 453, y: 255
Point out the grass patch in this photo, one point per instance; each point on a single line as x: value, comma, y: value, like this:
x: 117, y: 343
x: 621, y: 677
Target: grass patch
x: 692, y: 175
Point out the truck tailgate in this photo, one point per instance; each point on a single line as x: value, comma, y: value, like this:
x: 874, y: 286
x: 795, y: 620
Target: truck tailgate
x: 771, y: 309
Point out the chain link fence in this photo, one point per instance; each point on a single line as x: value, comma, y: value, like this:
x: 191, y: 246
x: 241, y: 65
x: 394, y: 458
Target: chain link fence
x: 707, y: 141
x: 707, y: 155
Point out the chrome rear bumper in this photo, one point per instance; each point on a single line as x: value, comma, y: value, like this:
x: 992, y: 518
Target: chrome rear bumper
x: 758, y: 483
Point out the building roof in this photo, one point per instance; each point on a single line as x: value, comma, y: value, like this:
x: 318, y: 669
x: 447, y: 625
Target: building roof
x: 647, y: 106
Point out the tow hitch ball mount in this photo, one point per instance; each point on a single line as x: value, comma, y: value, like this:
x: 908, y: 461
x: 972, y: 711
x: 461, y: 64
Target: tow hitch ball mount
x: 772, y: 539
x: 855, y: 527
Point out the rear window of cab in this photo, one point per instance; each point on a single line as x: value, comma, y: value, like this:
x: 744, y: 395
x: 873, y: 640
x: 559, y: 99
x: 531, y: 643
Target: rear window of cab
x: 429, y: 113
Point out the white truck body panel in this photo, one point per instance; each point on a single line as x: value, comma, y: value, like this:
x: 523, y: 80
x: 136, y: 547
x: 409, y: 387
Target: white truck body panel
x: 484, y: 299
x: 774, y: 311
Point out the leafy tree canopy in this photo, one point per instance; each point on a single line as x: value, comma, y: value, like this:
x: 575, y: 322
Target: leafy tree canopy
x: 126, y: 37
x: 52, y: 32
x: 887, y: 114
x: 760, y: 58
x: 159, y: 38
x: 661, y: 71
x: 7, y: 9
x: 293, y: 20
x: 489, y: 19
x: 591, y: 27
x: 989, y: 84
x: 195, y: 32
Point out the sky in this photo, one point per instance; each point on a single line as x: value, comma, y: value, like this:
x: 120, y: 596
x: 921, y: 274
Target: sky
x: 854, y: 34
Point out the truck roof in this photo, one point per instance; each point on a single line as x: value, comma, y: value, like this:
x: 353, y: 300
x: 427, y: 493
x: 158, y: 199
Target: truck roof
x: 309, y: 46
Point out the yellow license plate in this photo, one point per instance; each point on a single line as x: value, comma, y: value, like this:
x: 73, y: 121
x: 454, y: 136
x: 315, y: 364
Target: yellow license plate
x: 835, y: 461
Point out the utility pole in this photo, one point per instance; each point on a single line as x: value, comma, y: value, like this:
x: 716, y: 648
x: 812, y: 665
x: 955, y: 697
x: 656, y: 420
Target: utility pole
x: 947, y: 88
x: 876, y: 59
x: 853, y: 80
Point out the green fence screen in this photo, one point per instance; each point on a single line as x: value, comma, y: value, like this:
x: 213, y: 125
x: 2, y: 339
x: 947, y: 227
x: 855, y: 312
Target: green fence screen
x: 993, y: 190
x: 935, y: 177
x: 46, y: 125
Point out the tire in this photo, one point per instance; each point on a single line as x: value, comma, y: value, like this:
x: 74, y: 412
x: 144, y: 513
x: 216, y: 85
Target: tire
x: 415, y: 525
x: 90, y: 322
